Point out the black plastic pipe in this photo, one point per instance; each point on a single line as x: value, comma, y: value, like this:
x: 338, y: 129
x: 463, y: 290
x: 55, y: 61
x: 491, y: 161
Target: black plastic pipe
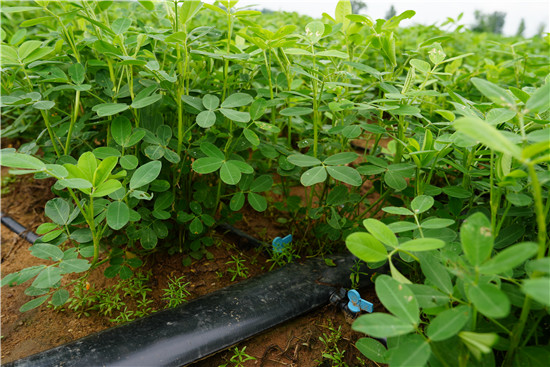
x: 185, y: 334
x: 18, y: 228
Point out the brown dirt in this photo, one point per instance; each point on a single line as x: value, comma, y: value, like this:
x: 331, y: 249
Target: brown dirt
x: 295, y: 343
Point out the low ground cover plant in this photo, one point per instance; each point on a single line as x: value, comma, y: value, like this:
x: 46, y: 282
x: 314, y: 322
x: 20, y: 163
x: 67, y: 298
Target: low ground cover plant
x: 160, y: 119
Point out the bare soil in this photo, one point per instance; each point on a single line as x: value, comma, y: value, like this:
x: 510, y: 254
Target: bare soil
x: 295, y: 343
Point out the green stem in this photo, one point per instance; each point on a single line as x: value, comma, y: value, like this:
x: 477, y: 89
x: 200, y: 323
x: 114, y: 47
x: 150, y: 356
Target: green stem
x: 73, y: 121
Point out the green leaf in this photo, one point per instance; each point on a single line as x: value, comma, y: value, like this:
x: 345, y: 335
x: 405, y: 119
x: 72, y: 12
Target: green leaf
x: 395, y: 180
x: 487, y: 135
x: 340, y: 158
x: 314, y: 176
x: 106, y: 188
x: 210, y: 102
x: 302, y: 160
x: 46, y: 251
x: 345, y: 174
x: 262, y: 183
x: 148, y: 238
x: 314, y: 31
x: 74, y: 265
x: 422, y: 203
x: 47, y: 278
x: 104, y: 170
x: 109, y: 109
x: 58, y: 210
x: 27, y: 47
x: 121, y: 129
x: 77, y: 73
x: 381, y: 325
x: 509, y: 258
x: 87, y: 163
x: 397, y: 211
x: 258, y: 202
x: 519, y: 199
x: 76, y: 183
x: 60, y: 297
x: 252, y: 137
x: 494, y: 92
x: 237, y: 201
x: 457, y: 192
x: 343, y: 8
x: 372, y: 349
x: 398, y: 299
x: 145, y: 101
x: 46, y: 227
x: 206, y: 119
x: 448, y: 323
x: 145, y: 174
x: 129, y: 162
x: 43, y: 105
x: 296, y: 111
x: 34, y: 303
x: 381, y: 232
x: 37, y: 54
x: 402, y: 226
x: 422, y: 244
x: 421, y: 65
x: 539, y: 101
x: 414, y: 352
x: 121, y: 25
x: 478, y: 343
x: 366, y: 247
x: 538, y: 289
x: 242, y: 166
x: 212, y: 151
x: 234, y: 115
x: 18, y: 160
x: 237, y: 100
x: 196, y: 226
x: 476, y: 238
x: 436, y: 223
x: 118, y: 215
x: 489, y: 300
x: 435, y: 272
x: 207, y: 164
x: 230, y: 173
x: 332, y: 53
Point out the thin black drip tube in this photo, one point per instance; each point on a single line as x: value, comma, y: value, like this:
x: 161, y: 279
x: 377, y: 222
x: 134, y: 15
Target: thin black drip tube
x: 18, y: 228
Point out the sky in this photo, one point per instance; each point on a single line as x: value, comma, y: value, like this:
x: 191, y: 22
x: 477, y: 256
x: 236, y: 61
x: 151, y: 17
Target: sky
x: 429, y: 12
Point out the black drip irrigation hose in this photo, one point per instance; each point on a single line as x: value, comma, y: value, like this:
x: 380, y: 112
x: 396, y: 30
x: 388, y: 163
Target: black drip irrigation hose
x: 18, y: 228
x: 208, y: 324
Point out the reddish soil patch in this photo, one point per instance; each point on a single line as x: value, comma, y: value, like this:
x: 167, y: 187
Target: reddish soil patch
x: 295, y: 343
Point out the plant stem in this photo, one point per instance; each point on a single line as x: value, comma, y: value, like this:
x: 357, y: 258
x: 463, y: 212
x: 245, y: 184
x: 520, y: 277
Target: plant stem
x: 73, y: 121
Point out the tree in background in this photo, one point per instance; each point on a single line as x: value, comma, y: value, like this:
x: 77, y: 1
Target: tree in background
x: 357, y: 6
x: 492, y: 23
x: 391, y: 13
x: 540, y: 29
x: 521, y: 28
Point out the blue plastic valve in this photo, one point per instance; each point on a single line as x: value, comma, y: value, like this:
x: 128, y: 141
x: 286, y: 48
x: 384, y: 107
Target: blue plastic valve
x: 279, y: 243
x: 356, y: 303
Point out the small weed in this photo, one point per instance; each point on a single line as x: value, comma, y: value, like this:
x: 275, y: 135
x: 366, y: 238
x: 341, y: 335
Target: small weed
x: 330, y: 341
x: 238, y: 358
x: 6, y: 184
x: 176, y: 293
x: 124, y: 316
x: 240, y: 269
